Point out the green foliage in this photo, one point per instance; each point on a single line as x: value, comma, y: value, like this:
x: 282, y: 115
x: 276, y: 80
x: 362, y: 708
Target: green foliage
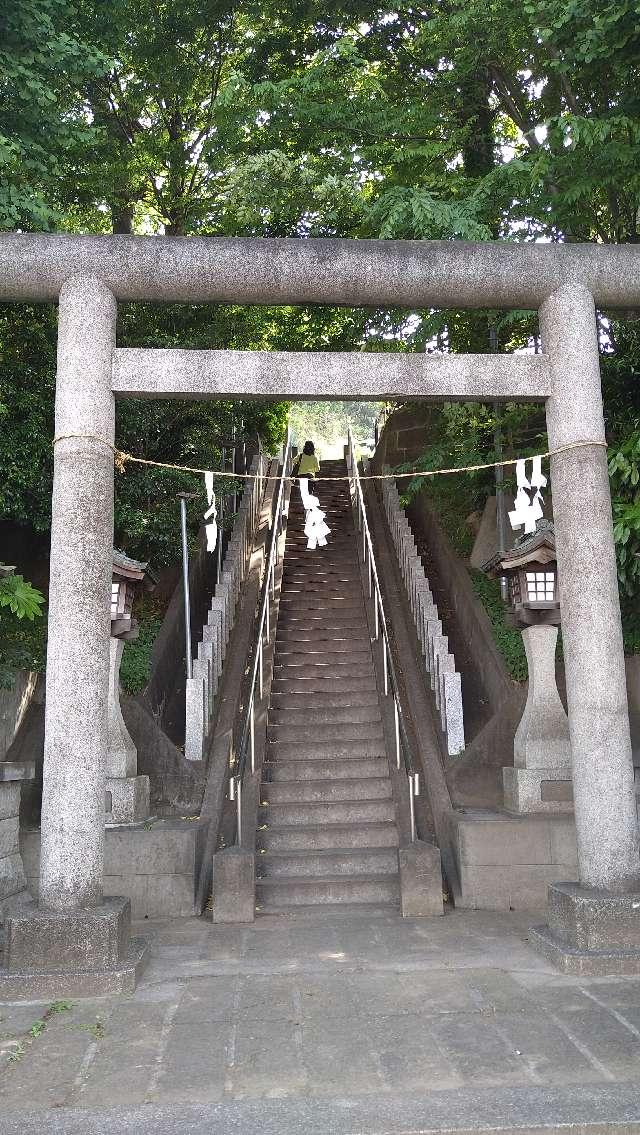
x: 326, y: 423
x: 180, y: 432
x: 507, y: 639
x: 23, y: 600
x: 472, y: 120
x: 624, y: 473
x: 22, y: 629
x: 135, y: 667
x: 44, y: 61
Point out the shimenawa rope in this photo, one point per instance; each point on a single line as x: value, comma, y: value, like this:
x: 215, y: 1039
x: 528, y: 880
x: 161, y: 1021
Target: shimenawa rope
x: 121, y: 458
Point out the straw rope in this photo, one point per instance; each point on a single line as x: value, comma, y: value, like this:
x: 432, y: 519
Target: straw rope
x: 121, y: 459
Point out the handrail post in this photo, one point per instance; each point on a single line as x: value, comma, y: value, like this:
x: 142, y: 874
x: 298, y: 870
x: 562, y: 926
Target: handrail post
x: 412, y: 806
x: 252, y: 733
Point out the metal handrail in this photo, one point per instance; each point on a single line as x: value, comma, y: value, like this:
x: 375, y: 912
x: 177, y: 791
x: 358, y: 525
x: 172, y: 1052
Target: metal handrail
x: 403, y: 748
x: 246, y: 748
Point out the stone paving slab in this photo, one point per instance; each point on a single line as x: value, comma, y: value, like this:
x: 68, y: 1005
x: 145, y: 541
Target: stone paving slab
x: 583, y: 1110
x: 323, y: 1014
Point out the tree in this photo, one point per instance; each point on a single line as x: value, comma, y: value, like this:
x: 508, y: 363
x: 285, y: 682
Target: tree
x: 44, y: 62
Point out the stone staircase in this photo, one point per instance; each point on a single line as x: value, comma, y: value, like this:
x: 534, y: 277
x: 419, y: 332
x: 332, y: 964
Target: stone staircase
x: 327, y: 829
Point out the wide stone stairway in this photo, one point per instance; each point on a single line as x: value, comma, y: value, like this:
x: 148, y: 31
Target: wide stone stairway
x: 327, y: 822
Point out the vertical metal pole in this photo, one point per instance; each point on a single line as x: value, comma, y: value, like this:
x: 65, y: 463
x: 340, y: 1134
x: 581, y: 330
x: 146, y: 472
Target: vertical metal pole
x: 385, y: 667
x: 397, y: 728
x: 233, y: 470
x: 239, y: 811
x: 185, y: 586
x: 252, y: 736
x: 220, y: 525
x: 412, y: 807
x: 499, y: 474
x: 260, y: 667
x: 266, y: 615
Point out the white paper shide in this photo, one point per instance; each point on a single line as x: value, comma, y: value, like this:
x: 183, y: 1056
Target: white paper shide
x: 315, y: 528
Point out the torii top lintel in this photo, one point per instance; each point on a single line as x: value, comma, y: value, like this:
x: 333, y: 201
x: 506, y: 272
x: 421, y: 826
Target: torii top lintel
x: 375, y: 273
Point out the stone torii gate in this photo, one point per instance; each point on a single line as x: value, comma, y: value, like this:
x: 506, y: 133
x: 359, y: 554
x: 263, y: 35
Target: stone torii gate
x: 75, y: 932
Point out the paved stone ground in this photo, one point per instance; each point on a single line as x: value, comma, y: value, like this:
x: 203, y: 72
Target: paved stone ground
x: 358, y: 1007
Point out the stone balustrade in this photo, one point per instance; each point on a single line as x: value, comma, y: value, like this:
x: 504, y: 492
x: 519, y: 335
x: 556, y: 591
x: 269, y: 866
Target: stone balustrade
x: 202, y: 688
x: 441, y: 672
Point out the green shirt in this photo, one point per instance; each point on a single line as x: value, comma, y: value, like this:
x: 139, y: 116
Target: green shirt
x: 309, y: 465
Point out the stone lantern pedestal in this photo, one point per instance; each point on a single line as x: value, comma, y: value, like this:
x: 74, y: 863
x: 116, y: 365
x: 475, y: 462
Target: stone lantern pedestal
x: 126, y: 793
x: 540, y: 780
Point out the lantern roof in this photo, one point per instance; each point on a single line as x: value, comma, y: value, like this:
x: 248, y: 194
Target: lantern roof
x: 537, y: 547
x: 125, y: 567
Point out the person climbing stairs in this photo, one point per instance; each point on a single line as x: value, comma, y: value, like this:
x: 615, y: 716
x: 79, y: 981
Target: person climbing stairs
x: 327, y: 831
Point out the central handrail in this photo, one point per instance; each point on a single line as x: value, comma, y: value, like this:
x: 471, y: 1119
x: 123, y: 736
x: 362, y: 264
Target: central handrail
x: 402, y: 745
x: 246, y: 747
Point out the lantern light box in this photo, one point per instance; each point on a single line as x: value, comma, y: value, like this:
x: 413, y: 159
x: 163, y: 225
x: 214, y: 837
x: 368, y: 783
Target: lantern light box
x: 128, y: 578
x: 532, y: 573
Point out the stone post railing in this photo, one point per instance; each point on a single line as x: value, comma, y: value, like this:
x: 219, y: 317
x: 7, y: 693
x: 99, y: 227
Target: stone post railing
x: 202, y: 688
x: 443, y: 677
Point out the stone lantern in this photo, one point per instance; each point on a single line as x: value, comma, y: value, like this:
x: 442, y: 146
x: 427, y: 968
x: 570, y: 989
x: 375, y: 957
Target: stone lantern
x: 127, y: 794
x: 531, y: 571
x: 540, y: 779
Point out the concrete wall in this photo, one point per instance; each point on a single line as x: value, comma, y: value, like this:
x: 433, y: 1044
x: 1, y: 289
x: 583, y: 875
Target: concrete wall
x: 472, y: 623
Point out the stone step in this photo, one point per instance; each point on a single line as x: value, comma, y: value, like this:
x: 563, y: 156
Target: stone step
x: 305, y: 561
x: 365, y: 731
x: 296, y: 700
x: 331, y: 750
x: 343, y: 663
x: 329, y: 836
x: 288, y: 636
x: 322, y: 683
x: 355, y: 655
x: 322, y: 648
x: 342, y: 545
x: 327, y: 812
x: 323, y: 769
x: 281, y: 893
x: 333, y: 862
x: 341, y: 573
x: 324, y: 791
x: 320, y: 603
x: 337, y: 590
x: 327, y: 715
x: 321, y: 673
x: 334, y: 621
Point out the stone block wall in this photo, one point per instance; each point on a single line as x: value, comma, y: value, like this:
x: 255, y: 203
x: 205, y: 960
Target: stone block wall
x: 404, y: 436
x: 507, y: 862
x: 156, y: 866
x: 12, y: 874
